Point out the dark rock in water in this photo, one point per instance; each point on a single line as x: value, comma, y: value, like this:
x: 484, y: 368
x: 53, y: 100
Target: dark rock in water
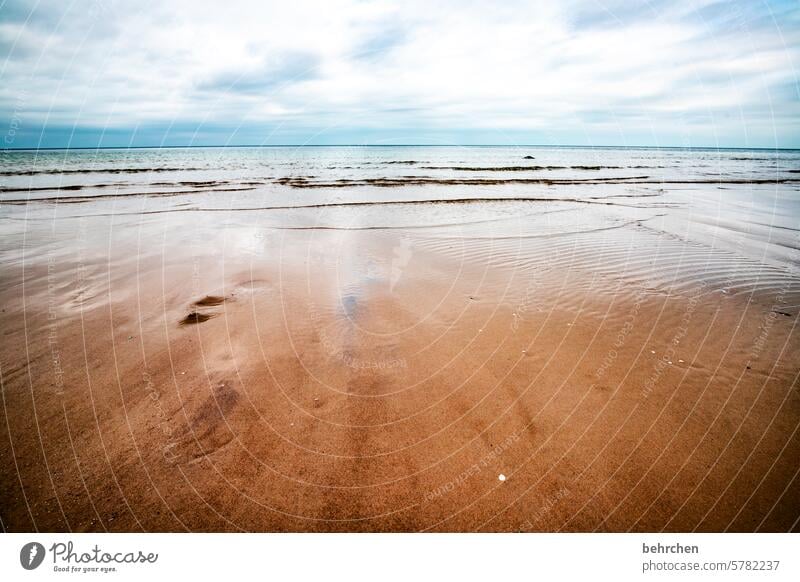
x: 528, y: 158
x: 195, y: 317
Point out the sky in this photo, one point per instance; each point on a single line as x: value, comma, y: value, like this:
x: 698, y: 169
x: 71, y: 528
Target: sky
x: 683, y: 73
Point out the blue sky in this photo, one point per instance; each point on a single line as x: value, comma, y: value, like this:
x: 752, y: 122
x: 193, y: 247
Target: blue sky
x: 679, y: 73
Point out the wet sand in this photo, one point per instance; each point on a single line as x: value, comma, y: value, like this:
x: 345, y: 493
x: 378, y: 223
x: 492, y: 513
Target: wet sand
x: 201, y: 371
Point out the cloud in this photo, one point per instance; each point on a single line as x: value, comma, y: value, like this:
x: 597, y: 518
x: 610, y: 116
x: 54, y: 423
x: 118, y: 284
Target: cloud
x: 692, y: 72
x: 276, y: 72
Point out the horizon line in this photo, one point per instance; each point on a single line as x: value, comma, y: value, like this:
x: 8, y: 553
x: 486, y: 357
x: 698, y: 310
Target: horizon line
x: 297, y: 146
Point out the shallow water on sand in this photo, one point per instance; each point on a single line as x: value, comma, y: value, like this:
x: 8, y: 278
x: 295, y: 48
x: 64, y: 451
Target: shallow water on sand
x: 662, y: 215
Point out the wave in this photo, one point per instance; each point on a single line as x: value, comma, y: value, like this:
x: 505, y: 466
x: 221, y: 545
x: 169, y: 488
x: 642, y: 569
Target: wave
x: 78, y: 199
x: 521, y: 168
x: 598, y: 200
x: 56, y: 171
x: 199, y: 186
x: 304, y: 182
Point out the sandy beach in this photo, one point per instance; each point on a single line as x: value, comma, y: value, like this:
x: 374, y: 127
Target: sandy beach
x: 583, y: 361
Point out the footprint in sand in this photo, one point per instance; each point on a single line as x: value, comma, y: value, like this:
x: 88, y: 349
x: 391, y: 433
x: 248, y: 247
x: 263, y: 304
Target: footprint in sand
x: 196, y: 317
x: 200, y: 316
x: 209, y: 301
x: 207, y: 429
x: 251, y: 287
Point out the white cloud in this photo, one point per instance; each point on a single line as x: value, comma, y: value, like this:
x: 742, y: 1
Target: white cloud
x: 514, y: 66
